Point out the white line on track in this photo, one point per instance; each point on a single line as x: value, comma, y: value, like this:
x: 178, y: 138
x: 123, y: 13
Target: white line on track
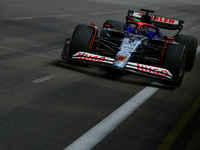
x: 23, y: 18
x: 44, y: 79
x: 98, y: 132
x: 88, y: 140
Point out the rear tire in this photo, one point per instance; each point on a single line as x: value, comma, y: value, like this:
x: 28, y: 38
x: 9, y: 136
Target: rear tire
x: 117, y: 25
x: 81, y: 40
x: 191, y: 44
x: 174, y: 61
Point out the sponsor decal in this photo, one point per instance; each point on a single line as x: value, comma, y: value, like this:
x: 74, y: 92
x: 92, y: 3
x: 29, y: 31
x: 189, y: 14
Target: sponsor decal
x: 139, y: 15
x: 92, y: 57
x: 154, y: 70
x: 166, y: 20
x: 136, y: 66
x: 150, y: 69
x: 87, y: 56
x: 136, y: 14
x: 121, y: 58
x: 158, y: 18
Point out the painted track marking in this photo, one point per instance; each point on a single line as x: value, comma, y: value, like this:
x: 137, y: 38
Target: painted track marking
x: 194, y: 142
x: 98, y: 132
x: 103, y: 128
x: 171, y: 137
x: 173, y: 134
x: 44, y: 79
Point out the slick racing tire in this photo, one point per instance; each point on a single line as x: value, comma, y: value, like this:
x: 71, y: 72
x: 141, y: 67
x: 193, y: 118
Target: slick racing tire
x: 117, y: 25
x: 81, y: 39
x: 191, y: 44
x: 174, y: 61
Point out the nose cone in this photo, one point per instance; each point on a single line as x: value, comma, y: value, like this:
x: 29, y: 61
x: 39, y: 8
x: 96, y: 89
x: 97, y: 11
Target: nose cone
x: 121, y: 59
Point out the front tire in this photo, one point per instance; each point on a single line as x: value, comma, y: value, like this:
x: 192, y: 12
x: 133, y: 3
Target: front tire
x: 174, y: 61
x: 81, y: 40
x: 191, y: 44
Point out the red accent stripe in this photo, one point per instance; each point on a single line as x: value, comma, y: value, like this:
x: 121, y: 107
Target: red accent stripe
x: 107, y: 25
x: 164, y: 50
x: 141, y: 23
x: 95, y: 32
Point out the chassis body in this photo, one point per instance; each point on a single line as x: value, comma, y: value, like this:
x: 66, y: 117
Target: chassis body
x: 136, y: 46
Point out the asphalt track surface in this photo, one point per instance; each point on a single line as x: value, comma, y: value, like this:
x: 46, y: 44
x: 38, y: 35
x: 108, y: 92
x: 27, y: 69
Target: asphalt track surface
x: 47, y: 103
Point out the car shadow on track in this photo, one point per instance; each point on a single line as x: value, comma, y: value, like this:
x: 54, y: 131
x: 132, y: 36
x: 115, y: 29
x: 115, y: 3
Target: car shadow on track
x: 110, y: 74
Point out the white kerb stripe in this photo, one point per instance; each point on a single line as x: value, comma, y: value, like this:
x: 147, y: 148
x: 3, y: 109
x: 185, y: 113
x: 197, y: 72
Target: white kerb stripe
x: 98, y: 132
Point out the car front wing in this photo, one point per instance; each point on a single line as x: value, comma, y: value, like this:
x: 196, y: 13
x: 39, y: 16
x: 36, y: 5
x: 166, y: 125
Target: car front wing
x: 137, y: 68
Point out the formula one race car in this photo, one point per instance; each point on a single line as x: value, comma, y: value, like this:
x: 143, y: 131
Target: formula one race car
x: 136, y: 46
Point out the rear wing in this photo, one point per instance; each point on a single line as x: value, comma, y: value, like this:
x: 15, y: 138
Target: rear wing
x: 159, y: 21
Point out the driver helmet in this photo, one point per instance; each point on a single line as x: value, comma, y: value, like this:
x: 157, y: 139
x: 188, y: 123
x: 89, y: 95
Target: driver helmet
x: 143, y: 31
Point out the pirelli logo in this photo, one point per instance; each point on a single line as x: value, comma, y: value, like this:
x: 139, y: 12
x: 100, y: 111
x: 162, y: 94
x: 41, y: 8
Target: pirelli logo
x: 158, y: 18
